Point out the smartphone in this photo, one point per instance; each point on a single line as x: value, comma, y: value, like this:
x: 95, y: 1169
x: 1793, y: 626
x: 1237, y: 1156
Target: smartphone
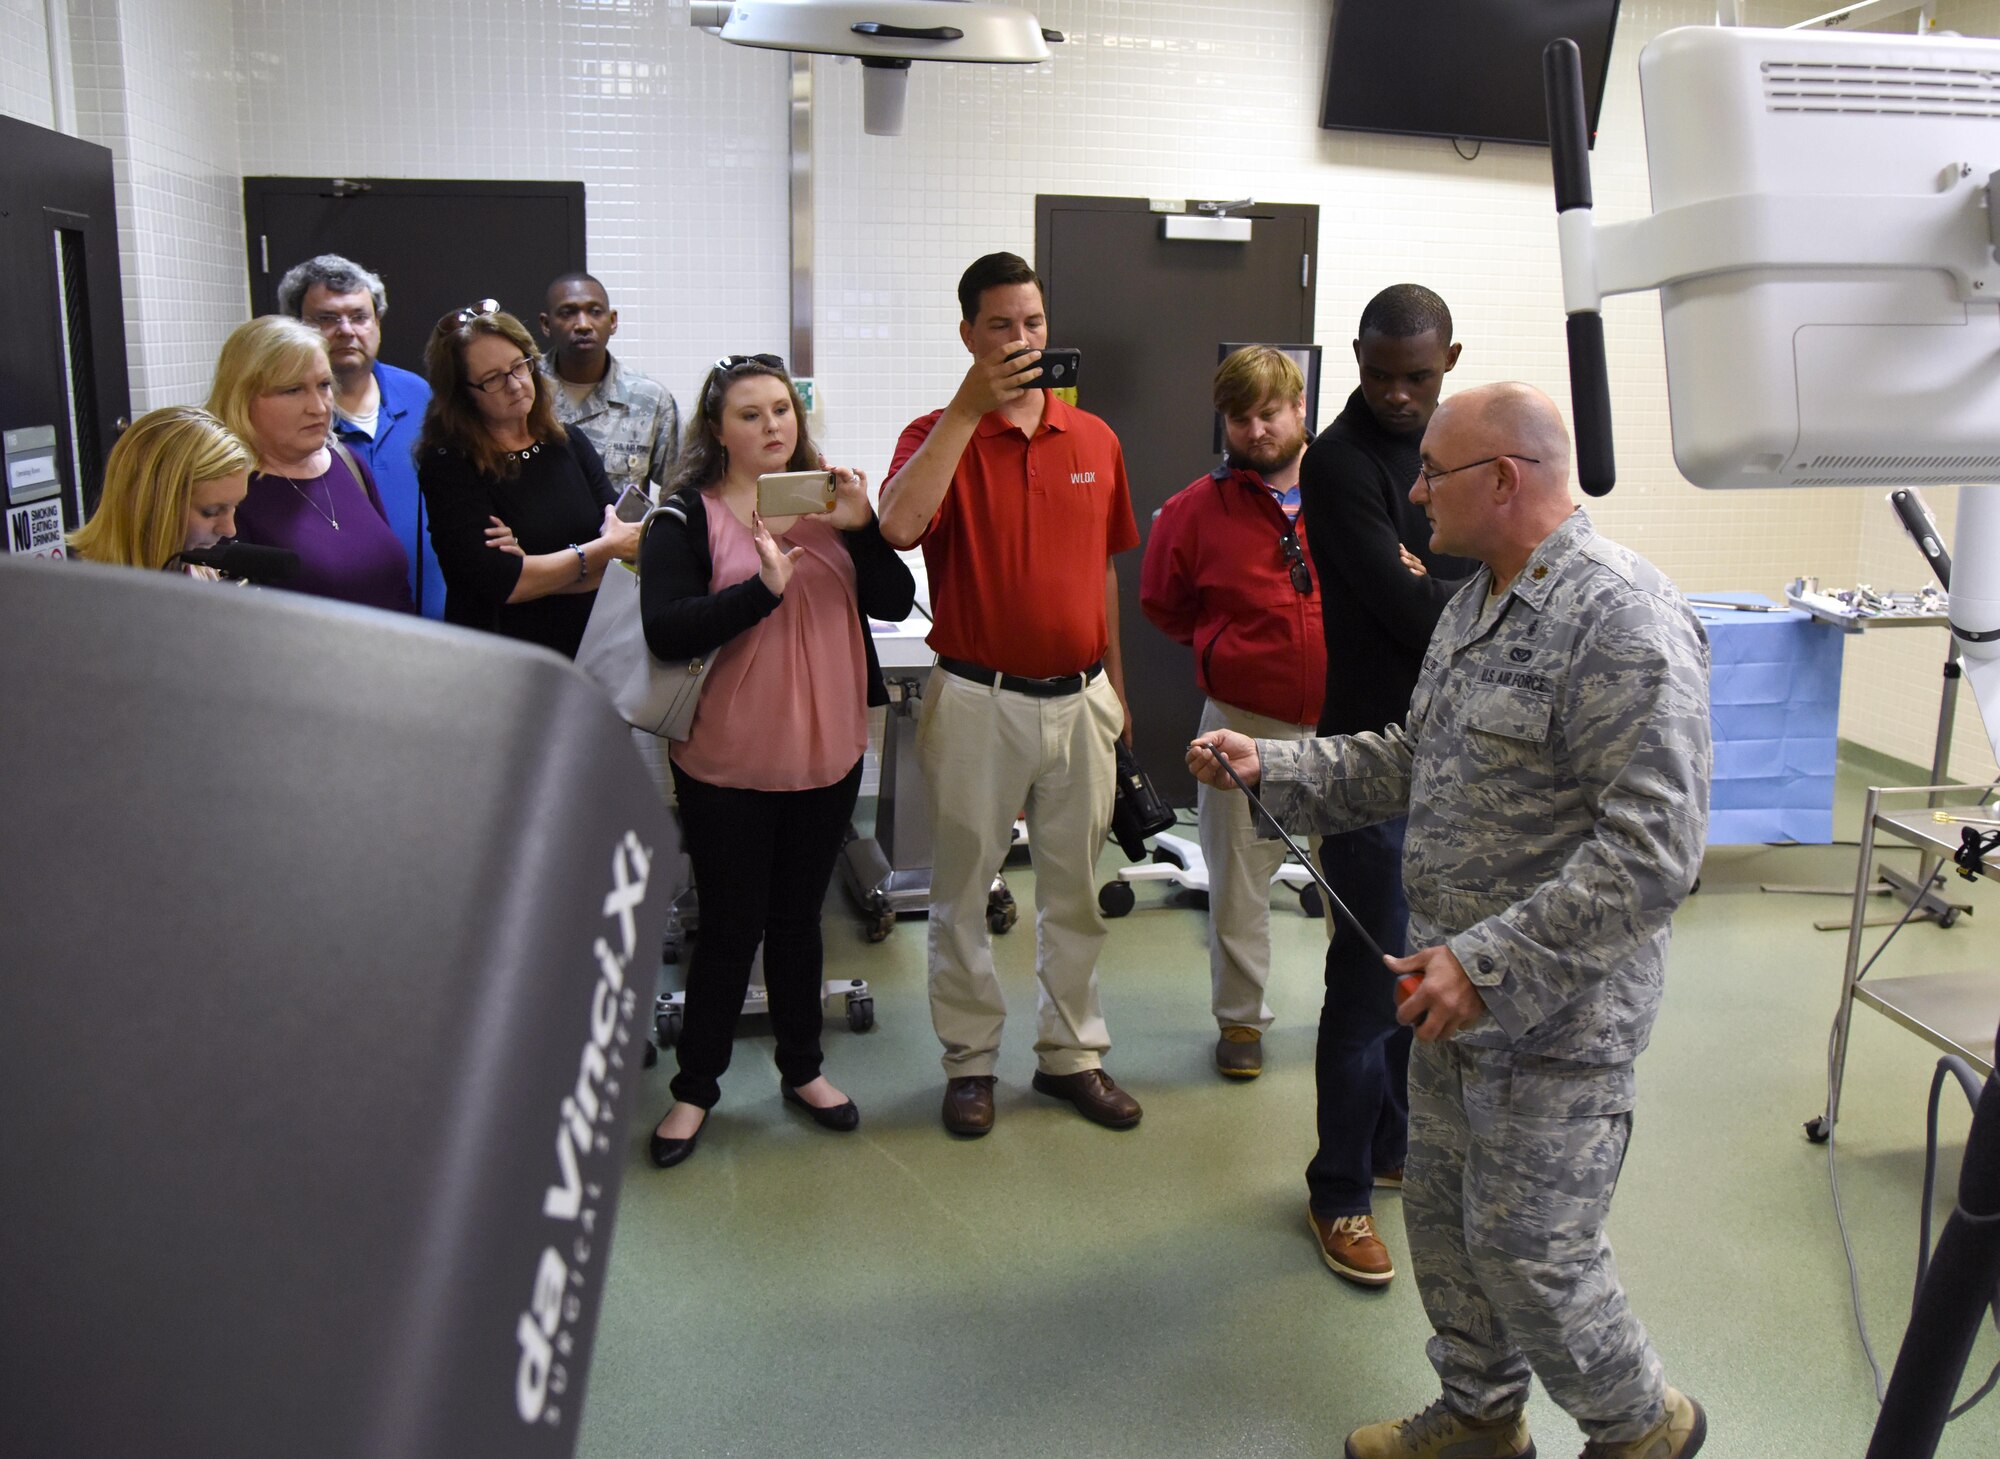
x: 633, y: 504
x: 1059, y: 369
x: 794, y: 493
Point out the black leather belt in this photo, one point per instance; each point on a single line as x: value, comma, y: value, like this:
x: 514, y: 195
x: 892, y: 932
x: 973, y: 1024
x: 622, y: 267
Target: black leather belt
x: 1040, y: 688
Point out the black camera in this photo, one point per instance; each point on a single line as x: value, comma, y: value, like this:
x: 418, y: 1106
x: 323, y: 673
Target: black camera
x: 1138, y: 811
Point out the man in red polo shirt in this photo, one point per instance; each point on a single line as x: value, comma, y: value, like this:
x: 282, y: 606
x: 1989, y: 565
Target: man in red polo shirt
x: 1019, y: 500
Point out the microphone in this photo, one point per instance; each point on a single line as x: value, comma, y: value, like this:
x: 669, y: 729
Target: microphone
x: 244, y: 561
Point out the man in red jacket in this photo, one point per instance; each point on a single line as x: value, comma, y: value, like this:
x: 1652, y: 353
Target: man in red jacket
x: 1227, y: 572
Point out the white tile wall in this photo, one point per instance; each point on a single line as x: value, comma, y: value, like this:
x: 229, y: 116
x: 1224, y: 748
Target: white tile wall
x: 24, y: 62
x: 681, y: 143
x: 155, y: 82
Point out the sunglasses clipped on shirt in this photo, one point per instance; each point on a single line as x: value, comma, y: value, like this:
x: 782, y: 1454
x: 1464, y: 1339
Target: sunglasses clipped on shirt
x: 1295, y: 558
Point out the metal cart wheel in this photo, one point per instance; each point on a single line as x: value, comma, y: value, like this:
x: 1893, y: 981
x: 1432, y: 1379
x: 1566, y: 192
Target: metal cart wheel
x: 1116, y: 898
x: 860, y: 1014
x: 1001, y: 913
x: 1309, y: 901
x: 667, y: 1027
x: 878, y: 926
x: 1817, y: 1129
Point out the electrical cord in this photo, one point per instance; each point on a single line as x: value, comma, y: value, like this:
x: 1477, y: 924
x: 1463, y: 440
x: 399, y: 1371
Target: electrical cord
x: 1473, y: 155
x: 1832, y: 1174
x: 1968, y: 1081
x: 1948, y: 1064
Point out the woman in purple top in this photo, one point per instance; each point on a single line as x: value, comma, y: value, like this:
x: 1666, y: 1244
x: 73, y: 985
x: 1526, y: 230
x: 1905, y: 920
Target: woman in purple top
x: 309, y: 495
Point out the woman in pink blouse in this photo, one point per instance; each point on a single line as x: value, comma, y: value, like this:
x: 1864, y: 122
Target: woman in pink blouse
x: 767, y: 777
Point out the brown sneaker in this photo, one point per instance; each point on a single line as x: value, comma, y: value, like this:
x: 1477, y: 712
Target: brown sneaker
x: 1678, y: 1435
x: 1094, y: 1095
x: 1239, y: 1053
x: 968, y: 1104
x: 1350, y: 1246
x: 1438, y: 1433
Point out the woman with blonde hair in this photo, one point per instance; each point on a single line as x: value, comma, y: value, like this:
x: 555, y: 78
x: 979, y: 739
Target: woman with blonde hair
x: 521, y: 510
x: 172, y: 484
x: 309, y: 495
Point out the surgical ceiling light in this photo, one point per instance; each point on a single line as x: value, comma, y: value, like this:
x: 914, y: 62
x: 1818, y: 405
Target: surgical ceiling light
x: 885, y: 36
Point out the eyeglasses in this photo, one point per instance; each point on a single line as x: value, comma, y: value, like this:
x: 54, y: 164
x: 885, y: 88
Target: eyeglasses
x: 355, y: 319
x: 1431, y: 478
x: 1295, y: 559
x: 521, y: 369
x: 466, y: 315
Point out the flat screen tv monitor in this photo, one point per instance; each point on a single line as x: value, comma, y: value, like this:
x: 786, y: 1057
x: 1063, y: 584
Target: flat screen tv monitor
x: 1458, y: 68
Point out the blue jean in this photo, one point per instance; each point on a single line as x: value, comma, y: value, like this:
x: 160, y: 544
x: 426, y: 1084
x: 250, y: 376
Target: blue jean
x: 1363, y: 1064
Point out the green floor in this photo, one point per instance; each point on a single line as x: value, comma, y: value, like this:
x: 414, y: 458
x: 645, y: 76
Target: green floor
x: 1056, y: 1289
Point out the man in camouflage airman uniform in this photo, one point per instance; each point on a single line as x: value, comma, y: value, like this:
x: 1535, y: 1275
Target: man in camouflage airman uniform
x: 1555, y: 769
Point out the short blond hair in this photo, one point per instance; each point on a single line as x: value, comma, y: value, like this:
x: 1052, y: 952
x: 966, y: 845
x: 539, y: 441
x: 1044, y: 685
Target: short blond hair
x: 1254, y: 374
x: 149, y: 479
x: 269, y: 353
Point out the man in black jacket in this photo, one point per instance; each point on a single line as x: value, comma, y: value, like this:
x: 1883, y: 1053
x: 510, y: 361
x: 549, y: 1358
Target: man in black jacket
x: 1382, y: 589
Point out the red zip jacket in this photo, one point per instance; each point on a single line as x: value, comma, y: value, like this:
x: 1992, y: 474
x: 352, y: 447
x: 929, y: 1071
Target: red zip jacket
x: 1216, y: 578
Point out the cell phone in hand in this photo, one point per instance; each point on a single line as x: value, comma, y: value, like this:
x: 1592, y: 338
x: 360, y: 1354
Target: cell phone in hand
x: 794, y: 493
x: 1059, y: 369
x: 633, y: 504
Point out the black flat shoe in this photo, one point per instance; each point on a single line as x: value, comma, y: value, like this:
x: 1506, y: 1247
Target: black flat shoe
x: 842, y: 1117
x: 669, y: 1153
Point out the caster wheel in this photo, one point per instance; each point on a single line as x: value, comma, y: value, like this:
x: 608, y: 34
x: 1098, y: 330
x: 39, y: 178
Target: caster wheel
x: 1817, y: 1129
x: 670, y: 950
x: 1696, y: 887
x: 652, y: 1056
x: 1001, y: 913
x: 1116, y: 898
x: 860, y: 1014
x: 1948, y: 918
x: 1310, y: 902
x: 878, y: 928
x: 667, y: 1027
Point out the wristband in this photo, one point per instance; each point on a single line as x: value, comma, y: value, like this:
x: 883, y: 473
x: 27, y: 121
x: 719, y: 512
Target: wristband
x: 582, y: 562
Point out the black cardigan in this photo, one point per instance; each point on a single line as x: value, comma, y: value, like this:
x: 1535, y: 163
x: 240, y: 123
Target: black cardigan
x: 1354, y: 492
x: 684, y: 619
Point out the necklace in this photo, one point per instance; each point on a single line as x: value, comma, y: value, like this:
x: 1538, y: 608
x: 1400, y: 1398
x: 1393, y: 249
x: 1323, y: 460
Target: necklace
x: 328, y: 510
x: 524, y: 455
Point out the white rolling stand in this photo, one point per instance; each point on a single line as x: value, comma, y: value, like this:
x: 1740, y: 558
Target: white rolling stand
x: 888, y: 875
x: 1179, y: 861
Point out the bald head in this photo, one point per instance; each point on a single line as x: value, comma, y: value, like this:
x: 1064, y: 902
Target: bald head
x: 1501, y: 508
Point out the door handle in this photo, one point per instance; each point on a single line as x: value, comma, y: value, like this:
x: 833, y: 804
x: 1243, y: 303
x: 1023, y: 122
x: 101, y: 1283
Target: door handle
x: 907, y: 32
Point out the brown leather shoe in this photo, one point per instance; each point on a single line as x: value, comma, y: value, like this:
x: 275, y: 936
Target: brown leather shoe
x: 968, y: 1104
x: 1350, y: 1246
x: 1094, y: 1095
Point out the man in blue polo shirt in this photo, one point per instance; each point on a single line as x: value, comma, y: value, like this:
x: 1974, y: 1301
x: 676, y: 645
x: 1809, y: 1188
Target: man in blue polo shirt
x: 379, y: 409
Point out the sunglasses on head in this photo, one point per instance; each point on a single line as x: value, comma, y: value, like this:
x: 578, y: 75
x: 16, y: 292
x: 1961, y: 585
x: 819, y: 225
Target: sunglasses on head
x: 470, y: 312
x: 737, y: 362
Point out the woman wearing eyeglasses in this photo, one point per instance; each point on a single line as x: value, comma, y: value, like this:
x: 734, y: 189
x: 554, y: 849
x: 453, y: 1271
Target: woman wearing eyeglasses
x: 309, y: 494
x: 520, y: 509
x: 766, y: 779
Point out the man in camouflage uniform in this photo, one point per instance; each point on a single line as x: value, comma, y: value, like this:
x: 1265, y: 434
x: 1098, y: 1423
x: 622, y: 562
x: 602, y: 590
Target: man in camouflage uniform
x: 631, y: 418
x: 1554, y: 768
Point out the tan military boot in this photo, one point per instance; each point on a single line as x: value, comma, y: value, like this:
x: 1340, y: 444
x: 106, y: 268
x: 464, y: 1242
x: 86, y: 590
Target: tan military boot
x: 1438, y: 1433
x: 1679, y: 1434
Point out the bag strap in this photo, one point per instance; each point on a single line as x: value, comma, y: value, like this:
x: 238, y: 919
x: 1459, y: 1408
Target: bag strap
x: 682, y: 506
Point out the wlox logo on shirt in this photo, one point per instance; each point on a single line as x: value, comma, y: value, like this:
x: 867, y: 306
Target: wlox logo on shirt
x: 1082, y: 478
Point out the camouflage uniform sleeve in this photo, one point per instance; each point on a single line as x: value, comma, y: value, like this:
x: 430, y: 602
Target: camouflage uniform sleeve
x: 1635, y: 720
x: 1339, y: 783
x: 666, y: 441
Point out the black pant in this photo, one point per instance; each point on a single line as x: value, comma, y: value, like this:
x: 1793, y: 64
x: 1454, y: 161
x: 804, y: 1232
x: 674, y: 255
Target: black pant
x: 762, y: 860
x: 1363, y: 1064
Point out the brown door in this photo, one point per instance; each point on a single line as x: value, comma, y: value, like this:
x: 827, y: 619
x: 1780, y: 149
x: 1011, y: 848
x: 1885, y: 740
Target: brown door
x: 1148, y: 314
x: 437, y: 245
x: 63, y: 395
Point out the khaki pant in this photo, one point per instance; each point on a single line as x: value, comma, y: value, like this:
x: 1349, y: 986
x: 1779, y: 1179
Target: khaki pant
x: 1240, y: 868
x: 988, y: 754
